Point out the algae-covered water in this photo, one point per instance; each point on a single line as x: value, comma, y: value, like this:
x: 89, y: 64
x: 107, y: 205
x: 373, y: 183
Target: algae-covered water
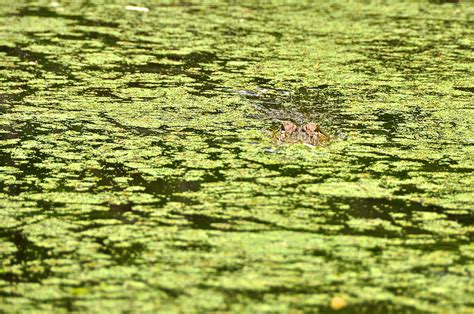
x: 138, y: 172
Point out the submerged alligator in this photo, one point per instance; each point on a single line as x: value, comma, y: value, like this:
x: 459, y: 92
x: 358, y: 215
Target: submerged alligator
x: 309, y: 134
x: 292, y: 116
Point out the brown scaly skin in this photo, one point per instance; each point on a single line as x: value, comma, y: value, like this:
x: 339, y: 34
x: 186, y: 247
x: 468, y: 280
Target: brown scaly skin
x: 309, y: 134
x: 313, y: 135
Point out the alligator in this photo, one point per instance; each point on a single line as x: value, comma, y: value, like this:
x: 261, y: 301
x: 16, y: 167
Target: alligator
x: 309, y: 134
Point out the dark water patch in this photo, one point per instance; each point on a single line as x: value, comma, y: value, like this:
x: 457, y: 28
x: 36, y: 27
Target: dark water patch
x: 443, y: 1
x: 30, y: 129
x: 133, y: 129
x: 144, y: 84
x: 205, y: 222
x: 27, y: 168
x: 171, y: 293
x: 67, y: 303
x: 168, y: 187
x: 235, y: 296
x: 187, y: 61
x: 461, y: 46
x: 291, y: 172
x: 4, y: 109
x: 385, y: 210
x: 196, y: 246
x: 122, y: 212
x: 262, y: 81
x: 121, y: 254
x: 108, y: 39
x: 424, y: 165
x: 210, y: 89
x: 378, y: 146
x: 437, y: 271
x: 15, y: 189
x: 43, y: 59
x: 199, y: 221
x: 390, y: 121
x: 234, y: 68
x: 407, y: 55
x: 164, y: 187
x: 160, y: 68
x: 6, y: 99
x: 443, y: 165
x: 240, y: 224
x: 192, y: 58
x: 7, y: 132
x: 37, y: 11
x: 108, y: 172
x: 465, y: 89
x: 105, y: 92
x: 11, y: 99
x: 190, y: 65
x: 284, y: 170
x: 50, y: 207
x: 45, y: 12
x: 26, y: 251
x: 407, y: 189
x: 380, y: 232
x: 230, y: 268
x: 377, y: 307
x: 464, y: 219
x: 52, y: 37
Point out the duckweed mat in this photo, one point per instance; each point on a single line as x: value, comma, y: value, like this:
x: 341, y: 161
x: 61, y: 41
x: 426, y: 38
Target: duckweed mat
x: 138, y: 171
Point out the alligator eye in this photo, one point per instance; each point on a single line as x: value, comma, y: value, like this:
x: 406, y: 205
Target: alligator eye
x: 311, y: 127
x: 289, y: 126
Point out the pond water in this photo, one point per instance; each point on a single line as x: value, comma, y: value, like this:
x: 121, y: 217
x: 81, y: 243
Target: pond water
x: 138, y: 171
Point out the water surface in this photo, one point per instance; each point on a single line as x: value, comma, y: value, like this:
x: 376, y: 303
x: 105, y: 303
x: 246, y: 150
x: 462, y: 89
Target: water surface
x: 138, y: 172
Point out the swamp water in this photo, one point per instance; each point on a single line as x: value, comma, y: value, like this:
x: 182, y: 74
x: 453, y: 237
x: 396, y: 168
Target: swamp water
x: 138, y: 172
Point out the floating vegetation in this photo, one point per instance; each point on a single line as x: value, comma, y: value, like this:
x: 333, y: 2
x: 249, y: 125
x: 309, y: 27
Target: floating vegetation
x: 137, y: 172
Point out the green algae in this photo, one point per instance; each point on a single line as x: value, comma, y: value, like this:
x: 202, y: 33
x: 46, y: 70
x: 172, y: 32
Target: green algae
x: 138, y: 172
